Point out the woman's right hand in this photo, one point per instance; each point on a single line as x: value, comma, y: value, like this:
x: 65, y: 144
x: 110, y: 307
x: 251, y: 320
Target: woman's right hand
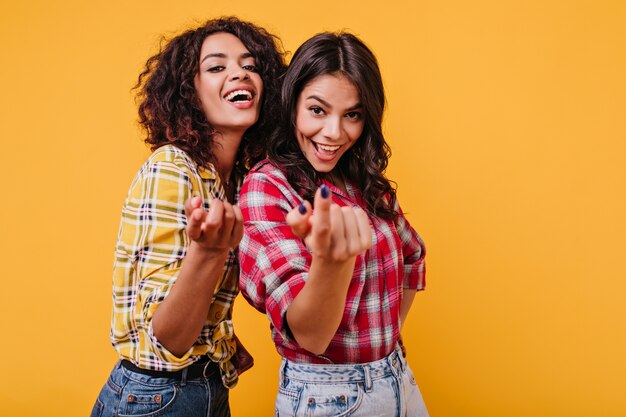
x: 331, y: 232
x: 178, y: 320
x: 335, y: 235
x: 219, y: 229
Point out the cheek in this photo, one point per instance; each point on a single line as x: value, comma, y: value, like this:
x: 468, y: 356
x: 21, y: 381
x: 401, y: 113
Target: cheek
x: 354, y: 132
x: 304, y: 125
x: 207, y: 88
x: 259, y: 85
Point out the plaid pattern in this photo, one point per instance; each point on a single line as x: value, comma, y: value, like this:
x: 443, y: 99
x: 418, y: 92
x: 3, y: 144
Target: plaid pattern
x: 275, y: 264
x: 151, y: 247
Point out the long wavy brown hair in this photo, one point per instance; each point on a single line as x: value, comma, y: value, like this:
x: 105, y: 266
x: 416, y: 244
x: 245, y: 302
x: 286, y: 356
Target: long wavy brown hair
x: 170, y: 110
x: 365, y: 162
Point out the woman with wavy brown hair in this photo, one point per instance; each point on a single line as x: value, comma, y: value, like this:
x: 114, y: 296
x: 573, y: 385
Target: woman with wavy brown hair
x: 336, y: 279
x: 207, y: 102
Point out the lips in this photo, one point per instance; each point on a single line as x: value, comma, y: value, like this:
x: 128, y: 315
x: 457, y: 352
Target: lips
x: 327, y: 148
x: 325, y: 152
x: 239, y: 95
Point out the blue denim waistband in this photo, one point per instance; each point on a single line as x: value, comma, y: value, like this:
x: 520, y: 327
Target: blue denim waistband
x: 343, y: 373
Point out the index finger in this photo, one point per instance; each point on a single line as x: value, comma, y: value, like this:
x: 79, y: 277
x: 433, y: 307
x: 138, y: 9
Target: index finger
x: 216, y: 214
x: 191, y: 204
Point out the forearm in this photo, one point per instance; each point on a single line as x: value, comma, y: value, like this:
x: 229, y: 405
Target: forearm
x: 178, y: 320
x: 316, y: 312
x: 408, y: 296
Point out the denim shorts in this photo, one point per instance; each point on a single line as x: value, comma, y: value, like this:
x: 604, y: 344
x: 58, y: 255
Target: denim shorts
x: 128, y: 393
x: 384, y: 388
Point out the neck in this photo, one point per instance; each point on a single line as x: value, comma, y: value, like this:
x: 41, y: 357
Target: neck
x: 336, y: 179
x: 225, y: 150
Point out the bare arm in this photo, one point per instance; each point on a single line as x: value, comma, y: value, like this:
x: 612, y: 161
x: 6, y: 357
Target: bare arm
x: 178, y: 320
x: 408, y: 296
x: 336, y: 236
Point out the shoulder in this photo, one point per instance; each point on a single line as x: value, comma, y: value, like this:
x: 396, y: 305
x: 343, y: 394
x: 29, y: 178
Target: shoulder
x: 175, y: 160
x: 266, y: 172
x: 267, y: 167
x: 169, y: 154
x: 267, y: 182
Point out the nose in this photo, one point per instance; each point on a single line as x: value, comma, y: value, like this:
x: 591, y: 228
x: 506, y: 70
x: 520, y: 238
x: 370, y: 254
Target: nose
x: 239, y: 74
x: 332, y: 128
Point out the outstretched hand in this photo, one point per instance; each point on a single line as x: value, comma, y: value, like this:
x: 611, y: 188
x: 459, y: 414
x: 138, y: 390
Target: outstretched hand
x: 331, y: 232
x: 218, y: 229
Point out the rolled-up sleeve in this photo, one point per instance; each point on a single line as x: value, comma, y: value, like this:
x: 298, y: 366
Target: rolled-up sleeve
x: 413, y: 253
x: 274, y: 261
x: 152, y: 244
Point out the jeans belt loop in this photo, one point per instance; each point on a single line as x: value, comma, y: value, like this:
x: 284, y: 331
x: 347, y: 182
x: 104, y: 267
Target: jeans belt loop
x: 393, y: 360
x: 368, y: 378
x: 401, y: 360
x: 283, y: 373
x: 183, y: 377
x: 204, y: 369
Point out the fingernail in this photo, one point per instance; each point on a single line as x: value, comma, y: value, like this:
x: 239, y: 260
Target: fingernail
x: 324, y: 190
x: 302, y: 208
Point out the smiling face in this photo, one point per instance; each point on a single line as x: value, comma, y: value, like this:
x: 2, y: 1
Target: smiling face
x: 228, y: 84
x: 329, y: 120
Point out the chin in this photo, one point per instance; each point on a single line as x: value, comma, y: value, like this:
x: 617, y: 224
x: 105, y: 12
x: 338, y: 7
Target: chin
x: 323, y: 168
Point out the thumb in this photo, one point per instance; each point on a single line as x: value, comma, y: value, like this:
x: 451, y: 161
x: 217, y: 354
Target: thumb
x: 298, y: 219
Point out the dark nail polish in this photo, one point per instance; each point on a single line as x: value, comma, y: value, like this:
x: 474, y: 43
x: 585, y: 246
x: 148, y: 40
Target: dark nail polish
x: 325, y: 192
x: 302, y: 209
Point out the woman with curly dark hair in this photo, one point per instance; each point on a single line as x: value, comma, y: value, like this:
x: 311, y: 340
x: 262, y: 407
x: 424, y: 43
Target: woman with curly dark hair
x: 207, y: 102
x: 336, y: 282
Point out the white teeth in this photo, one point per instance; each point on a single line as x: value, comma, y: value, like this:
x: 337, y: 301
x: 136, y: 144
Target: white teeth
x: 230, y: 96
x: 329, y: 148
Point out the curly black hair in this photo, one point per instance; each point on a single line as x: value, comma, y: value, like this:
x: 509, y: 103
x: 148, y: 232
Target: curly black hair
x: 170, y: 110
x: 365, y: 162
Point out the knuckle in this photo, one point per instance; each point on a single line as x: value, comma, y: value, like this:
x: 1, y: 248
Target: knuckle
x: 340, y: 251
x: 355, y: 248
x: 322, y: 229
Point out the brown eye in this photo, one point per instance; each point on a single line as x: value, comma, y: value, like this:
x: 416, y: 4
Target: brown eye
x: 354, y: 115
x: 316, y: 110
x: 251, y: 68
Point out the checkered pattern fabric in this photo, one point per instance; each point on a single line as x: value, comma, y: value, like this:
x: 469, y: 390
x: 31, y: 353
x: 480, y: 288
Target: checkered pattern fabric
x: 275, y: 265
x: 150, y: 252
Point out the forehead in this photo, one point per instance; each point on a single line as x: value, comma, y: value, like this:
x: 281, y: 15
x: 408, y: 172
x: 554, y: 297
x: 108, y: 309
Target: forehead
x: 223, y: 43
x: 333, y: 88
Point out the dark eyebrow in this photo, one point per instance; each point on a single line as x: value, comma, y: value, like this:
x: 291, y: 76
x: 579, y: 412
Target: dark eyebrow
x: 327, y: 104
x: 223, y: 55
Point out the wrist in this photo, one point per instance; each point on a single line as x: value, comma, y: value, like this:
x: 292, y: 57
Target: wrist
x: 207, y: 253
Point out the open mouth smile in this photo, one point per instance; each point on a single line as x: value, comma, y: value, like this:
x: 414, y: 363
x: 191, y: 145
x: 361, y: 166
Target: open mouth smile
x: 239, y: 96
x: 325, y: 150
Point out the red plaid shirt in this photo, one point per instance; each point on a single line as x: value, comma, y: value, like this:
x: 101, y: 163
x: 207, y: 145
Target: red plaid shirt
x: 275, y: 263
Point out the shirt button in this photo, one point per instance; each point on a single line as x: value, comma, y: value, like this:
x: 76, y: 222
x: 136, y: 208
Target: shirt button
x: 218, y: 315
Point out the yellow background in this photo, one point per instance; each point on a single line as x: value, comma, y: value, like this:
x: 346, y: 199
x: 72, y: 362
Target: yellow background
x: 506, y: 121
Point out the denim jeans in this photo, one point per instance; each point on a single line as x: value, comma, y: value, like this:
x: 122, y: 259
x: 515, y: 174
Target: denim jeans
x: 128, y: 393
x: 384, y: 388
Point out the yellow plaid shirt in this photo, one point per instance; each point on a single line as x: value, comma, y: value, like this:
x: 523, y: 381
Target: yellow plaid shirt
x: 149, y: 254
